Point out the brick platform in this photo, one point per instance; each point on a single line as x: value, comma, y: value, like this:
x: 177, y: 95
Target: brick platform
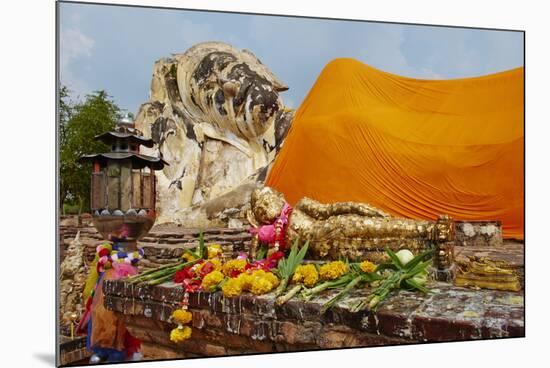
x: 251, y: 324
x: 163, y: 244
x: 72, y: 351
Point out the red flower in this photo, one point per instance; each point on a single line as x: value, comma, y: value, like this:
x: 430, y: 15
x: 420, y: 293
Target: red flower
x: 235, y: 273
x: 191, y: 285
x: 206, y: 269
x: 103, y: 252
x: 181, y: 275
x: 275, y: 256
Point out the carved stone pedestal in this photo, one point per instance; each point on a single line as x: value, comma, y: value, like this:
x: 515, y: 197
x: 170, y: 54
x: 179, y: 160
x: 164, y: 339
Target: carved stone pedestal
x: 444, y: 267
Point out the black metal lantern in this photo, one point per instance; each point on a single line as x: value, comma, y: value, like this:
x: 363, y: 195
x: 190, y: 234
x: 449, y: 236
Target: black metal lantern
x: 123, y: 185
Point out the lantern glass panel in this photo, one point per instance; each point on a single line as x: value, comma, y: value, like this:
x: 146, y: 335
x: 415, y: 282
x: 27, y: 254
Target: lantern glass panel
x: 137, y: 189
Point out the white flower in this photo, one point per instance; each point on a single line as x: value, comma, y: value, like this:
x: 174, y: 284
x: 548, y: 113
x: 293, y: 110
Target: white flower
x: 405, y: 256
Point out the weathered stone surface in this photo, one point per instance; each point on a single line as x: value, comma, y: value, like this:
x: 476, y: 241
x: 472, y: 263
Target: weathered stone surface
x: 72, y: 350
x: 72, y: 278
x: 218, y: 119
x: 511, y: 252
x: 154, y: 352
x: 164, y: 243
x: 249, y: 323
x: 478, y: 233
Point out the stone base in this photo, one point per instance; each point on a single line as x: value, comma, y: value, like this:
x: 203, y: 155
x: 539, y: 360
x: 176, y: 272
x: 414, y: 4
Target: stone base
x: 255, y: 324
x: 447, y: 275
x: 72, y: 350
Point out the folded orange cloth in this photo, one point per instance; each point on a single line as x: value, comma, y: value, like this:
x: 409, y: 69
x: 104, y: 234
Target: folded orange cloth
x: 414, y: 148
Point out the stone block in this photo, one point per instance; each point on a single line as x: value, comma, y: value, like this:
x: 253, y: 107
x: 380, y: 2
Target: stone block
x: 331, y: 339
x: 296, y: 333
x: 156, y: 351
x: 214, y: 350
x: 478, y: 233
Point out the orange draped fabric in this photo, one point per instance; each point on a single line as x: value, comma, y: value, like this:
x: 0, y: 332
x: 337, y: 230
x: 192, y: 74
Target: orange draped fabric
x: 414, y: 148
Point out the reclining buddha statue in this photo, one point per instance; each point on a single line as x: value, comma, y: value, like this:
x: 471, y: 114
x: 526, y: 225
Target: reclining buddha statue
x: 341, y: 230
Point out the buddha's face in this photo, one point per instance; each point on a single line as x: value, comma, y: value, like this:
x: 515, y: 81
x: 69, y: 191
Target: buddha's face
x: 266, y: 204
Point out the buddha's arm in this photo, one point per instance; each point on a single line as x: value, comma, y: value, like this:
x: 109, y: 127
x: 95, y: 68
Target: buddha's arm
x: 321, y: 211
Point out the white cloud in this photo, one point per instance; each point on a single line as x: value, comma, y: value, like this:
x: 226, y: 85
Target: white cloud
x: 382, y: 49
x: 74, y: 46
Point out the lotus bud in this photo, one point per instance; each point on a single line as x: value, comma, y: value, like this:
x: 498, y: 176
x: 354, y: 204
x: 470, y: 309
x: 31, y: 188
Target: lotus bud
x: 405, y: 256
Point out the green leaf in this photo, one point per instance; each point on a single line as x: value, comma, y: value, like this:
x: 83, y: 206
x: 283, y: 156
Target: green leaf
x: 262, y: 253
x: 189, y: 251
x: 420, y: 267
x: 386, y: 266
x: 301, y: 255
x: 418, y: 259
x: 370, y: 277
x: 394, y: 258
x: 415, y: 285
x: 202, y: 250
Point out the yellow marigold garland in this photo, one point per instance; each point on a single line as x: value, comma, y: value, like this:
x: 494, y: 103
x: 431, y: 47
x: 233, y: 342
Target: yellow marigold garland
x: 234, y: 265
x: 270, y: 276
x: 333, y: 270
x: 245, y: 279
x: 180, y: 334
x: 182, y: 316
x: 214, y: 250
x: 187, y: 256
x: 306, y: 274
x: 263, y: 282
x: 232, y: 287
x: 367, y: 266
x: 261, y: 285
x: 257, y: 282
x: 212, y: 280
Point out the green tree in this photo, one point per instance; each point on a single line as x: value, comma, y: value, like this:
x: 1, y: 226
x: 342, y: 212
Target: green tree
x: 79, y: 124
x: 65, y: 113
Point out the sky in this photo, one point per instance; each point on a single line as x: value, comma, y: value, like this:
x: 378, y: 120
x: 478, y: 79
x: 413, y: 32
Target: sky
x: 113, y: 48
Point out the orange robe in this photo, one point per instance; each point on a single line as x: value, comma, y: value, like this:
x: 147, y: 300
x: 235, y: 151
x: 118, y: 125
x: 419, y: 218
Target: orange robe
x: 414, y: 148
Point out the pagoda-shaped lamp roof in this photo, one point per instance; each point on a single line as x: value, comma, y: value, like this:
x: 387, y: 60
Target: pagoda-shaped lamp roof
x: 125, y: 142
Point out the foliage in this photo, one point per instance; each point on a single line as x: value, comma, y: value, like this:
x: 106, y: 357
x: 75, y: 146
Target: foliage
x: 201, y: 250
x: 79, y: 123
x: 355, y: 277
x: 408, y: 276
x: 287, y: 266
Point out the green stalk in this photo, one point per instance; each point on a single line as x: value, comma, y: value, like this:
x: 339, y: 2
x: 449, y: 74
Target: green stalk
x: 161, y: 279
x: 153, y: 275
x: 285, y: 298
x: 341, y: 294
x: 151, y: 270
x: 360, y: 305
x: 163, y: 272
x: 287, y: 266
x: 332, y: 284
x: 282, y: 287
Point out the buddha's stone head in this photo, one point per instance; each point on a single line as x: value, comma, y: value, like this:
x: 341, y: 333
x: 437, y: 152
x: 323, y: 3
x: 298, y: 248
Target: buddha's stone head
x: 230, y: 88
x: 266, y: 204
